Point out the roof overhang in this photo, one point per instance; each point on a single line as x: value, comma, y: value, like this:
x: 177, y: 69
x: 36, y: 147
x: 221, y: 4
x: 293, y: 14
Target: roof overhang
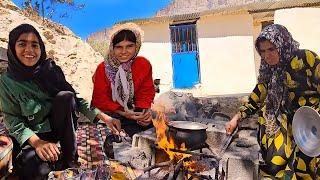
x: 259, y: 10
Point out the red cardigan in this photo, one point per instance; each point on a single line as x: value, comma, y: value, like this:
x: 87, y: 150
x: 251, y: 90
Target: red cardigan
x: 144, y: 91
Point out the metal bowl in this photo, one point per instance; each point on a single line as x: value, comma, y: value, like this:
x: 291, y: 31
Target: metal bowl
x: 306, y: 130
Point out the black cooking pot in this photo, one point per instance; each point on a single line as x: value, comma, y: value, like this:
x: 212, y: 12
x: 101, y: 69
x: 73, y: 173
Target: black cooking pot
x: 193, y: 134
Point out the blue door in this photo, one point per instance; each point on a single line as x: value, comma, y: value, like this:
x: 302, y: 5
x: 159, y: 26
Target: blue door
x: 185, y: 61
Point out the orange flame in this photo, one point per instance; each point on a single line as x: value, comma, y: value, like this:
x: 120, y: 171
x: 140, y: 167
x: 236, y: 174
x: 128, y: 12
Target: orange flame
x: 194, y: 166
x: 165, y: 142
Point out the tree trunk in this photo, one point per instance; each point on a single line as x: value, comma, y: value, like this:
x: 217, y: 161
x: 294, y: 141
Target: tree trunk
x: 42, y: 10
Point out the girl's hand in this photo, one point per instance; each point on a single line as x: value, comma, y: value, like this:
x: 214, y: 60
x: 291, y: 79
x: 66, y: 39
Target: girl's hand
x: 143, y: 118
x: 146, y: 118
x: 113, y: 124
x: 132, y: 115
x: 47, y: 151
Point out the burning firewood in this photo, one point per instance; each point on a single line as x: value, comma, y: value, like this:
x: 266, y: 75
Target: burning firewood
x: 167, y: 163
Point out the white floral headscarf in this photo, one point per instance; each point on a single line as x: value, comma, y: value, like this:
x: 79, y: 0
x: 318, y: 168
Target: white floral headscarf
x: 120, y: 74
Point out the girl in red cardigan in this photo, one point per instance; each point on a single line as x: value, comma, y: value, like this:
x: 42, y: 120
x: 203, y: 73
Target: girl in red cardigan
x: 123, y: 84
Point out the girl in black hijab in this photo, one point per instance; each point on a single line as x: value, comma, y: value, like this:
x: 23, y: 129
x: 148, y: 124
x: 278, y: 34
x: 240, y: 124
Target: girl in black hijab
x: 40, y: 108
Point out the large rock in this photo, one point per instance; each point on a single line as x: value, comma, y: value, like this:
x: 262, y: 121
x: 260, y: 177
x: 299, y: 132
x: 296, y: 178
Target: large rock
x: 177, y: 106
x: 181, y: 106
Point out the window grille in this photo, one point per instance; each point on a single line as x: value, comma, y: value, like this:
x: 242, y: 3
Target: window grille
x: 183, y: 38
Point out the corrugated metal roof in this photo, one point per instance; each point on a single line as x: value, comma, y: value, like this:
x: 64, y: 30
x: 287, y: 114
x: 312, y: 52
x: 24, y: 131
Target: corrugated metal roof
x: 266, y: 8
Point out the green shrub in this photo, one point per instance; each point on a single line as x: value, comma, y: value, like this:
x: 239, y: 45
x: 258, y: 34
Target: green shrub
x: 101, y: 47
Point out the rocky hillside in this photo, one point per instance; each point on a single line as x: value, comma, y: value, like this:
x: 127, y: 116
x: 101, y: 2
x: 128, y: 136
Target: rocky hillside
x: 185, y: 6
x: 99, y: 41
x: 77, y: 59
x: 191, y: 6
x: 99, y: 36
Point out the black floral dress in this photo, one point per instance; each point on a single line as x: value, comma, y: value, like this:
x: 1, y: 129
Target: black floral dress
x: 283, y: 159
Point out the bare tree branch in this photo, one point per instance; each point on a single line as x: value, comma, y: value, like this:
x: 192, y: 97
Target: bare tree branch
x: 48, y: 7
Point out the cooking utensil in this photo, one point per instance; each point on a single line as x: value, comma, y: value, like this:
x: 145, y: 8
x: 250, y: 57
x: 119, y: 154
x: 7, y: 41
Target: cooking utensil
x: 306, y: 130
x: 227, y: 142
x: 111, y: 138
x: 192, y: 134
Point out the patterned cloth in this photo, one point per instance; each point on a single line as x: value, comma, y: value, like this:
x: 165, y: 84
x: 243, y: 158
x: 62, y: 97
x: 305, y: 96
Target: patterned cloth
x: 90, y: 138
x: 283, y: 159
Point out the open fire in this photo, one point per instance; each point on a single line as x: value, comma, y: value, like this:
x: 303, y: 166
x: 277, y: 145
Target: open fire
x: 183, y: 163
x: 165, y: 142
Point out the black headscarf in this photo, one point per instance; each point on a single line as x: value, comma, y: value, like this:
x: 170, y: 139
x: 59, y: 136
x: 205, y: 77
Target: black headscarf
x: 45, y: 72
x: 274, y: 75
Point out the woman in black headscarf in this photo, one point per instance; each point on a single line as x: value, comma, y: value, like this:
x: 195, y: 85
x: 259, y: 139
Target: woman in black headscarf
x: 40, y: 108
x: 289, y: 78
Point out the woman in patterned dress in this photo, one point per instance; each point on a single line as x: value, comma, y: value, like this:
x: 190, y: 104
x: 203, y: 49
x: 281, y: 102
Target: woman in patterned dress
x: 289, y: 78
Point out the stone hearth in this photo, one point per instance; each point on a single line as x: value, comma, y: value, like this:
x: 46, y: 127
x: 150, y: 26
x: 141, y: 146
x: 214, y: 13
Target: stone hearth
x: 240, y: 160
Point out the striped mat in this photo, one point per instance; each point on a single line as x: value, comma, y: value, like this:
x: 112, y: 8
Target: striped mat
x: 90, y: 138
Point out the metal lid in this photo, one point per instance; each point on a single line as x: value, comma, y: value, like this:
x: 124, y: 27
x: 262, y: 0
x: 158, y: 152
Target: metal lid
x: 306, y: 130
x: 187, y: 125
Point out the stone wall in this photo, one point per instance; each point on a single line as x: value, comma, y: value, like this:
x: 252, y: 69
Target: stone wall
x: 181, y: 106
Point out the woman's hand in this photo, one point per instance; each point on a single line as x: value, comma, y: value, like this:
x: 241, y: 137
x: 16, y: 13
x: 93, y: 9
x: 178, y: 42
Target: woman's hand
x: 113, y: 124
x: 47, y: 151
x: 233, y: 123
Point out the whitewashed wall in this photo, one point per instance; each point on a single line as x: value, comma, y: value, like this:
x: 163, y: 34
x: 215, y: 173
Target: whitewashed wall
x: 228, y: 61
x: 226, y: 52
x: 304, y: 25
x: 257, y: 58
x: 157, y: 49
